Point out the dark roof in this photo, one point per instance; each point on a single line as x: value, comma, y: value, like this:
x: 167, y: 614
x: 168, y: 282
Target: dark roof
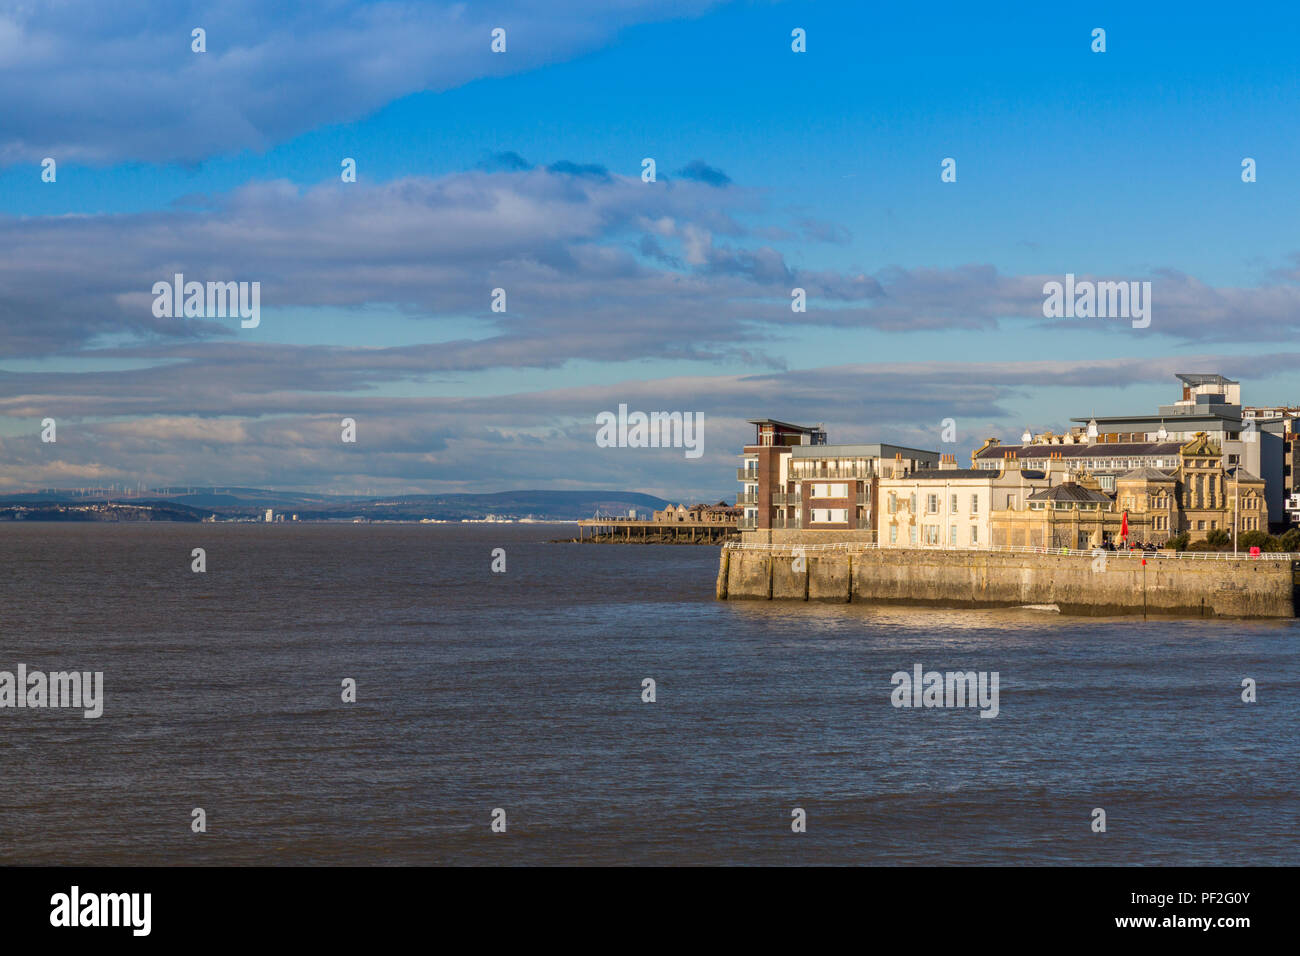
x: 1032, y: 473
x: 786, y: 426
x: 951, y: 473
x: 1145, y: 474
x: 1069, y: 491
x: 1181, y: 415
x: 1095, y: 450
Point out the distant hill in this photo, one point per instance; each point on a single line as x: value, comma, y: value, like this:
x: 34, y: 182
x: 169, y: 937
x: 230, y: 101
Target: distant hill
x: 140, y: 510
x: 566, y: 504
x: 551, y: 505
x: 253, y: 502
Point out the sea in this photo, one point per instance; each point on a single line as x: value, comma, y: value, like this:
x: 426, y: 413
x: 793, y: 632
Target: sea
x: 502, y: 717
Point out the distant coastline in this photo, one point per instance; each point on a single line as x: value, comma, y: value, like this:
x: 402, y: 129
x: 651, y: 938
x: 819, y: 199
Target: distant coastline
x: 138, y: 513
x: 254, y: 505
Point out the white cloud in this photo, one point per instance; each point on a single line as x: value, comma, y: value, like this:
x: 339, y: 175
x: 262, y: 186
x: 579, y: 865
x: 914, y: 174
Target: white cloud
x: 98, y: 82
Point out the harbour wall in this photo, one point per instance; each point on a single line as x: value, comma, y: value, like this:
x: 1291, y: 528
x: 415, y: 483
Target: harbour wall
x: 1076, y: 583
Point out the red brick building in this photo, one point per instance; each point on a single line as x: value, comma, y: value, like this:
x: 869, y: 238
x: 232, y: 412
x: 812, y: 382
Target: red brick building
x: 792, y: 479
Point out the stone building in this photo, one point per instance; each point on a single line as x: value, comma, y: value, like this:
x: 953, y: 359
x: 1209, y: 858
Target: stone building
x: 721, y: 513
x: 1198, y: 495
x: 949, y: 507
x: 1072, y: 514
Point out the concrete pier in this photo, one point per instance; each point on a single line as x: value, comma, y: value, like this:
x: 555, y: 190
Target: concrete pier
x: 1077, y: 583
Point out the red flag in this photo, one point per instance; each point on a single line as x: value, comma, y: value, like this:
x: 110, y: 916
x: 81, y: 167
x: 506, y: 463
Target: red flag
x: 1123, y: 528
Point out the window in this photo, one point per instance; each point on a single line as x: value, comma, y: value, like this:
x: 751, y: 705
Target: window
x: 830, y: 491
x: 893, y: 534
x: 954, y: 504
x: 932, y: 534
x: 1011, y: 502
x: 893, y: 502
x: 913, y: 535
x: 911, y: 503
x: 974, y: 504
x: 953, y: 529
x: 974, y: 534
x: 932, y: 505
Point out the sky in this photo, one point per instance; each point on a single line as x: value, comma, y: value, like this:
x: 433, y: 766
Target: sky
x: 522, y: 170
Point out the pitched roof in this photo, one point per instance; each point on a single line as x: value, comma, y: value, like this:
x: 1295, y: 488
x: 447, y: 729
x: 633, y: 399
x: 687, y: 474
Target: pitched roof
x: 1069, y: 491
x: 1145, y: 474
x: 952, y: 473
x: 1095, y: 450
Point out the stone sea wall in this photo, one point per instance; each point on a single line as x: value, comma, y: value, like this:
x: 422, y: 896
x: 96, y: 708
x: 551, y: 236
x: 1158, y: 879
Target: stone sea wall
x: 1076, y: 583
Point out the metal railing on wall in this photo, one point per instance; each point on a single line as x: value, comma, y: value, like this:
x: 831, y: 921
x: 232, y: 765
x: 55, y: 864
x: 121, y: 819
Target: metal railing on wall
x: 1021, y: 549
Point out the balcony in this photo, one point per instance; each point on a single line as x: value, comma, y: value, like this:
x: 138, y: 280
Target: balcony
x: 843, y: 474
x: 863, y: 499
x: 786, y: 498
x: 785, y: 523
x: 747, y: 498
x: 747, y: 524
x: 747, y: 474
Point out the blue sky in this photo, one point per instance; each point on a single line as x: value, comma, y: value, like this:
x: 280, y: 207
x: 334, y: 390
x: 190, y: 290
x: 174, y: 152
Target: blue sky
x: 521, y: 170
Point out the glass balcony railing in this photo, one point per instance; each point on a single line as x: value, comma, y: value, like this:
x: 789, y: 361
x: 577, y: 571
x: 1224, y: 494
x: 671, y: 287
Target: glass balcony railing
x: 832, y: 474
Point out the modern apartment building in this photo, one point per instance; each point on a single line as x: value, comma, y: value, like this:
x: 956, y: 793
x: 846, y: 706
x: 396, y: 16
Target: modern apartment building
x: 793, y: 480
x: 1289, y: 418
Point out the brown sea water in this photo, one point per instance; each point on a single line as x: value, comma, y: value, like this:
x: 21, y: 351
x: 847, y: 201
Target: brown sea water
x: 522, y: 691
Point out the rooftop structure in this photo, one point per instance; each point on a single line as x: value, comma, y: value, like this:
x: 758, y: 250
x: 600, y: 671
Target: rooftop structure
x: 769, y: 431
